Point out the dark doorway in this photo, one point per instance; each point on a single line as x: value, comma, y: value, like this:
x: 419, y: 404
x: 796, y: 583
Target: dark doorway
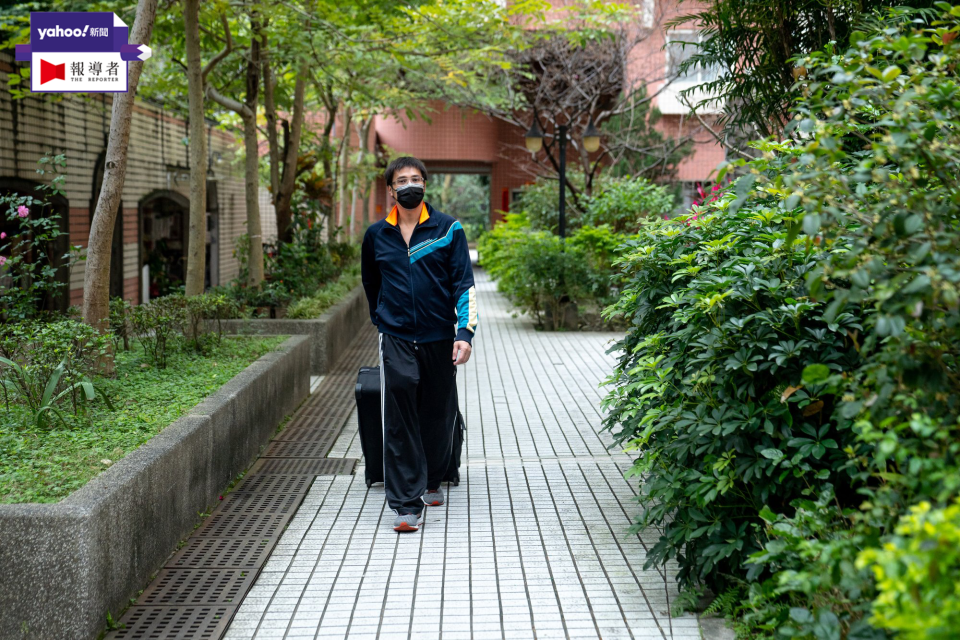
x: 465, y: 196
x: 212, y: 269
x: 116, y: 245
x: 57, y: 250
x: 163, y: 240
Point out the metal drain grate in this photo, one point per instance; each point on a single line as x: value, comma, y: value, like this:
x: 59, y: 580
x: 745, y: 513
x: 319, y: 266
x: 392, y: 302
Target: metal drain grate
x: 320, y: 467
x: 251, y: 503
x: 198, y: 622
x: 222, y: 553
x: 298, y: 449
x: 198, y: 591
x: 243, y: 525
x: 305, y: 433
x: 272, y: 483
x: 198, y: 586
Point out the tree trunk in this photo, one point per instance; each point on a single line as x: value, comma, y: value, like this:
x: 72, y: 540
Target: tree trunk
x: 96, y: 277
x: 365, y: 184
x: 445, y: 191
x: 252, y: 174
x: 197, y: 238
x: 326, y: 152
x: 270, y: 109
x: 252, y: 189
x: 344, y: 164
x: 359, y: 187
x: 284, y: 199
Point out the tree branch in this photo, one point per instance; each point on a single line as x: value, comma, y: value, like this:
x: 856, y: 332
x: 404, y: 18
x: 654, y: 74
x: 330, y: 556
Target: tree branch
x: 227, y: 48
x: 229, y: 103
x: 713, y: 133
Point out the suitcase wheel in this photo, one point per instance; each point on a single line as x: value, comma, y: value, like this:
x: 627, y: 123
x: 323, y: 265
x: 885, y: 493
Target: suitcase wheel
x: 456, y: 481
x: 369, y: 483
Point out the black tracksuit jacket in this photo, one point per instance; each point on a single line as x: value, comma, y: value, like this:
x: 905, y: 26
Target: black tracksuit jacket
x: 418, y: 293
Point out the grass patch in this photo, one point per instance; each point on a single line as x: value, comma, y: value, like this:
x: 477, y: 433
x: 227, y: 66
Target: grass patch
x: 326, y: 296
x: 47, y: 465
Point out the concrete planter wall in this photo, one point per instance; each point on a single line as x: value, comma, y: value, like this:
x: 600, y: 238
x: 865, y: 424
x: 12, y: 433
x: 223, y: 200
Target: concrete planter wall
x: 64, y: 566
x: 330, y: 334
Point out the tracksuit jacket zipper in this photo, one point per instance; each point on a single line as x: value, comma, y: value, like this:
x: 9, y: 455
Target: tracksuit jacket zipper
x: 413, y: 296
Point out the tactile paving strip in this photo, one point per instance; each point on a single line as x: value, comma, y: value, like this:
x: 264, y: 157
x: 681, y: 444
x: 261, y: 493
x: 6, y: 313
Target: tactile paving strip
x: 198, y: 586
x: 312, y: 467
x: 198, y: 622
x: 222, y: 553
x: 243, y: 525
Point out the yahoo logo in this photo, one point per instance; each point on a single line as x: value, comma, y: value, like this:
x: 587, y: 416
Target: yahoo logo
x: 60, y: 32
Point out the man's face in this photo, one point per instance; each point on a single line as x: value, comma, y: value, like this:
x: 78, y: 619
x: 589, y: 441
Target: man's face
x: 402, y: 177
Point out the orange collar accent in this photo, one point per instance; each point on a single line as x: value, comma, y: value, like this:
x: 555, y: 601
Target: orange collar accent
x: 424, y: 214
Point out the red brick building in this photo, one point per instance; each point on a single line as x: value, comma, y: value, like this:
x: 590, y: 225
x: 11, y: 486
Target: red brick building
x: 152, y: 227
x: 457, y: 141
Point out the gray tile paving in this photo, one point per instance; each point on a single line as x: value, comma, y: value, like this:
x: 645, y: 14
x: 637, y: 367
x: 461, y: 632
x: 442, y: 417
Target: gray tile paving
x: 532, y: 544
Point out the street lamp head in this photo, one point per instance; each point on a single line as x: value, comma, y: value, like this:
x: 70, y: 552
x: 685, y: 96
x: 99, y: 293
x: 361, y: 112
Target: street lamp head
x: 591, y: 138
x: 534, y: 138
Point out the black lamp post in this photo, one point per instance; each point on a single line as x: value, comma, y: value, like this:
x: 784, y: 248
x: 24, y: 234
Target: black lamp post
x: 534, y: 141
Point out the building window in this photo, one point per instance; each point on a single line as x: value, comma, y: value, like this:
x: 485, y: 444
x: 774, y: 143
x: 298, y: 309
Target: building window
x: 681, y: 45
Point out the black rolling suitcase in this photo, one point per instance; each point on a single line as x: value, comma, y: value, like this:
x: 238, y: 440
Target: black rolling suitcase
x: 371, y: 430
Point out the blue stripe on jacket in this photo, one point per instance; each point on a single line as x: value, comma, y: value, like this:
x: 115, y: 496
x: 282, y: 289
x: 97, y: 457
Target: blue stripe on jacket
x: 426, y: 248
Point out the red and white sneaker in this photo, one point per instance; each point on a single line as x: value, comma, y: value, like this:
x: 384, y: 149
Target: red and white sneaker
x: 433, y: 498
x: 408, y: 522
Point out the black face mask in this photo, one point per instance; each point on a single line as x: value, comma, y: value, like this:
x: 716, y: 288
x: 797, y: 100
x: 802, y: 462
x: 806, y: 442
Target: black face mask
x: 409, y: 196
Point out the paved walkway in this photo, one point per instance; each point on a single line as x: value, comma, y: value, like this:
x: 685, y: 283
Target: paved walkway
x: 532, y: 544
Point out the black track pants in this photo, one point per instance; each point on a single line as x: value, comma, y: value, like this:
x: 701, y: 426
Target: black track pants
x: 418, y: 387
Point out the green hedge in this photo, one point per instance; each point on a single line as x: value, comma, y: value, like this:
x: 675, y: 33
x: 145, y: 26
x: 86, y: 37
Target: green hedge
x: 542, y: 275
x: 791, y: 379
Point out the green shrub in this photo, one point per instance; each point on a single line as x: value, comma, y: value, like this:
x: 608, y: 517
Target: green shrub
x: 29, y: 259
x: 212, y: 308
x: 619, y: 202
x: 540, y: 203
x: 315, y: 305
x: 791, y: 381
x: 710, y: 388
x: 158, y: 324
x: 918, y: 573
x: 46, y: 362
x: 536, y: 270
x: 292, y: 270
x: 622, y: 203
x: 601, y: 248
x: 120, y: 322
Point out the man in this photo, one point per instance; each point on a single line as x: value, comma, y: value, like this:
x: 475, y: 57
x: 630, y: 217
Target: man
x: 417, y: 276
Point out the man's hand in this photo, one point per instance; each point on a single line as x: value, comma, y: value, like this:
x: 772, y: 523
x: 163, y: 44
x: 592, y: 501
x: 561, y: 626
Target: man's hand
x: 461, y: 352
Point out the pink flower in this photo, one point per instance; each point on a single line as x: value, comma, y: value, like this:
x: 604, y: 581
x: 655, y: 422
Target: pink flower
x: 3, y: 260
x: 23, y: 211
x: 3, y: 235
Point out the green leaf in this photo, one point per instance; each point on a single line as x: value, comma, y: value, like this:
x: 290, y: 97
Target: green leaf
x: 815, y: 374
x: 767, y: 514
x: 803, y: 616
x: 890, y: 73
x: 772, y: 454
x: 811, y: 224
